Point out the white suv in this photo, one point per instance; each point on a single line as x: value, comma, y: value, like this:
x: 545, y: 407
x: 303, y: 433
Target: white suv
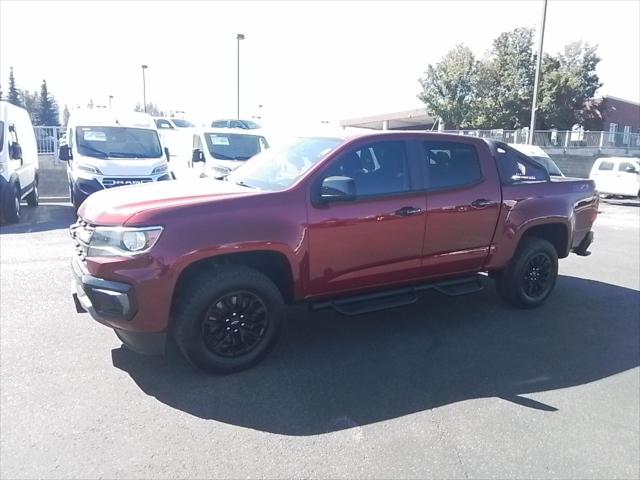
x: 618, y: 176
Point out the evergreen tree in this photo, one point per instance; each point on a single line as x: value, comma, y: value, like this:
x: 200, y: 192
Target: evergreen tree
x: 31, y: 103
x: 65, y: 116
x: 14, y: 94
x: 48, y: 112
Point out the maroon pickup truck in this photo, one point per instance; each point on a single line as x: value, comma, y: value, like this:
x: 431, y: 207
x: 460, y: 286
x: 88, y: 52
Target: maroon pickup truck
x: 356, y: 224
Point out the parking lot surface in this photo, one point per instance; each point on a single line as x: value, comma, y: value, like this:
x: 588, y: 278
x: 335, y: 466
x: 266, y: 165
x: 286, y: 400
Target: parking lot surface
x: 450, y: 387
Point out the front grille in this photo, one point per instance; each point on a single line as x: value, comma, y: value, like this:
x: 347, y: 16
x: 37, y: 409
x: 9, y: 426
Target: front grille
x: 81, y: 233
x: 120, y: 182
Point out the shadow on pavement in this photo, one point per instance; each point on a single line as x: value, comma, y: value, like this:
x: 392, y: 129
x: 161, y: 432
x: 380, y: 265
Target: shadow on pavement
x: 330, y: 373
x: 47, y: 216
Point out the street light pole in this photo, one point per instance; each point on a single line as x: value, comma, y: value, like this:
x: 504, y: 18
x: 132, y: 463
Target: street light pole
x: 239, y: 37
x: 110, y: 98
x: 144, y: 88
x: 536, y: 85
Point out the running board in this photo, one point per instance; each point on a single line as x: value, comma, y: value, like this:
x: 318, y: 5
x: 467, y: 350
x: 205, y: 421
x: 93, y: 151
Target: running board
x: 373, y: 302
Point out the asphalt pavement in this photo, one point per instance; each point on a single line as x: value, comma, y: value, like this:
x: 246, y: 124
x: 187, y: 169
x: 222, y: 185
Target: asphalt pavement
x: 447, y: 388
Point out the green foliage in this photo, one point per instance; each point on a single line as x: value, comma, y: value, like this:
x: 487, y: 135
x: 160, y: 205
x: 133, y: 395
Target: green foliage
x: 30, y: 103
x: 65, y: 116
x: 569, y: 80
x: 152, y: 109
x: 14, y: 94
x: 449, y: 88
x: 48, y: 112
x: 497, y: 91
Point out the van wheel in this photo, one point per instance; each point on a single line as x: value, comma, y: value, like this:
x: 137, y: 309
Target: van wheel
x: 11, y: 203
x: 229, y: 319
x: 34, y: 197
x: 531, y: 275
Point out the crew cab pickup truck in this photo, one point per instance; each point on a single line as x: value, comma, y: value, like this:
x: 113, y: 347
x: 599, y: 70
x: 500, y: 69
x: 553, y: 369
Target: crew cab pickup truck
x: 356, y: 224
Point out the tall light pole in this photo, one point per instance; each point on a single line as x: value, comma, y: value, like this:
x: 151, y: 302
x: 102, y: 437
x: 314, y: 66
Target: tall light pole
x: 144, y: 88
x: 536, y: 85
x: 239, y: 37
x: 110, y: 98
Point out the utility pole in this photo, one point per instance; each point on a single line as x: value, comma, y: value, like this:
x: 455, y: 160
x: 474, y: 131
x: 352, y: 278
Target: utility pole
x: 239, y: 37
x: 536, y: 85
x: 144, y: 88
x: 110, y: 99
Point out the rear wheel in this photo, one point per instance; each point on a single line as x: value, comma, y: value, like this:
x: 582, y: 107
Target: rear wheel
x: 229, y: 319
x: 11, y: 203
x: 33, y: 199
x: 531, y: 275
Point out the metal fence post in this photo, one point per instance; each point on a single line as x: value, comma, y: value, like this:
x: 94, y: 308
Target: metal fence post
x: 601, y: 140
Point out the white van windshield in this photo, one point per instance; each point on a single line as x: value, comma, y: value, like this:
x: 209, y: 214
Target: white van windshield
x: 118, y: 142
x: 231, y: 146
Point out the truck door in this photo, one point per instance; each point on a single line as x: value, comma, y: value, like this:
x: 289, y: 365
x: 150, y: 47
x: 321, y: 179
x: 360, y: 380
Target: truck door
x: 376, y: 239
x: 22, y: 168
x: 463, y: 203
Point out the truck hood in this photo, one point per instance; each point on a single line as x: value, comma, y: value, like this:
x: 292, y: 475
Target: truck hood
x: 116, y: 205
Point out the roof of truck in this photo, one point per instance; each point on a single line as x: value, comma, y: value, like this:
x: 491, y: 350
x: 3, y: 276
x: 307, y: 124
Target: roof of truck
x: 108, y: 117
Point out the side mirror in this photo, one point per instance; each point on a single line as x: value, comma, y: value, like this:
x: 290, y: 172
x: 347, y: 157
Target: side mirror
x: 15, y: 153
x: 631, y: 169
x: 64, y: 153
x: 197, y: 156
x: 338, y: 189
x: 166, y: 153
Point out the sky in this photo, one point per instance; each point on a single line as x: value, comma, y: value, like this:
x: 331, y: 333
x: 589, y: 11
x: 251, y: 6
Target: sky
x: 304, y: 60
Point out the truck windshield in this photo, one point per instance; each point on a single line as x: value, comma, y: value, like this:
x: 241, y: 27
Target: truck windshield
x: 278, y: 169
x: 181, y: 123
x: 118, y: 142
x: 1, y: 136
x: 229, y: 146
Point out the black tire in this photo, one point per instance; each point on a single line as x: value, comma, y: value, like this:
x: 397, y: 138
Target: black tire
x: 74, y: 202
x: 531, y: 275
x: 11, y: 203
x: 199, y: 323
x: 33, y: 199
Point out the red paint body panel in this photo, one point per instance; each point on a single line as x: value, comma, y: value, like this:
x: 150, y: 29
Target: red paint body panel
x: 335, y: 249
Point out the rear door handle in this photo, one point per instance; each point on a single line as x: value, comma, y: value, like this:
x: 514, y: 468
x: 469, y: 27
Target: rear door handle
x: 408, y: 211
x: 482, y: 203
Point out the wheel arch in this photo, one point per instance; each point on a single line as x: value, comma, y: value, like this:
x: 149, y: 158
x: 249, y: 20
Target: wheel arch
x: 556, y: 233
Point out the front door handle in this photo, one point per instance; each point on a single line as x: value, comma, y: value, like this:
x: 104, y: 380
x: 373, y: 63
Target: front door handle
x: 408, y: 211
x: 482, y: 203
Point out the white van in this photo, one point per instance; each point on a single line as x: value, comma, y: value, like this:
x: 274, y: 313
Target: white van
x: 617, y: 176
x: 108, y: 149
x: 18, y: 162
x: 224, y: 149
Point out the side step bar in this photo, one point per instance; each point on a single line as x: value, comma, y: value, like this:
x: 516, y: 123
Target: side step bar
x: 373, y: 302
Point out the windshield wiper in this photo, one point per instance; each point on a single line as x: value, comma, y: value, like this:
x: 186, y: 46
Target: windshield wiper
x: 126, y: 155
x: 242, y: 184
x: 95, y: 150
x: 221, y: 156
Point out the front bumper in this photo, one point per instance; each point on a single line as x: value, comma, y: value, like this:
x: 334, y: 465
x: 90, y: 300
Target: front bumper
x: 108, y: 301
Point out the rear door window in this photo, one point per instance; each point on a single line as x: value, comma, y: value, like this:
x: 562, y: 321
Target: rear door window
x: 515, y: 167
x: 625, y: 165
x: 162, y: 123
x: 451, y: 165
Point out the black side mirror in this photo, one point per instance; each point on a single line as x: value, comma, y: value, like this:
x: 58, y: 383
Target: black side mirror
x: 197, y: 156
x: 15, y: 152
x: 166, y: 153
x: 64, y: 153
x: 338, y: 189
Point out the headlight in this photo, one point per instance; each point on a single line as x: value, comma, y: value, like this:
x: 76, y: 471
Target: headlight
x: 89, y: 169
x: 118, y: 241
x: 160, y: 169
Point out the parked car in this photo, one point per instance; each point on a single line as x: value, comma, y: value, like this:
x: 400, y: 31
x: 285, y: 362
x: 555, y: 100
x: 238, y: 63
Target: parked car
x: 356, y: 224
x: 18, y: 162
x: 235, y: 123
x: 170, y: 123
x: 108, y: 149
x: 538, y: 154
x: 224, y: 150
x: 617, y: 176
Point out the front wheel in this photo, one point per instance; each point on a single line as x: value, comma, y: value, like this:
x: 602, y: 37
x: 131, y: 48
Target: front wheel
x: 229, y: 319
x: 11, y: 203
x: 531, y: 275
